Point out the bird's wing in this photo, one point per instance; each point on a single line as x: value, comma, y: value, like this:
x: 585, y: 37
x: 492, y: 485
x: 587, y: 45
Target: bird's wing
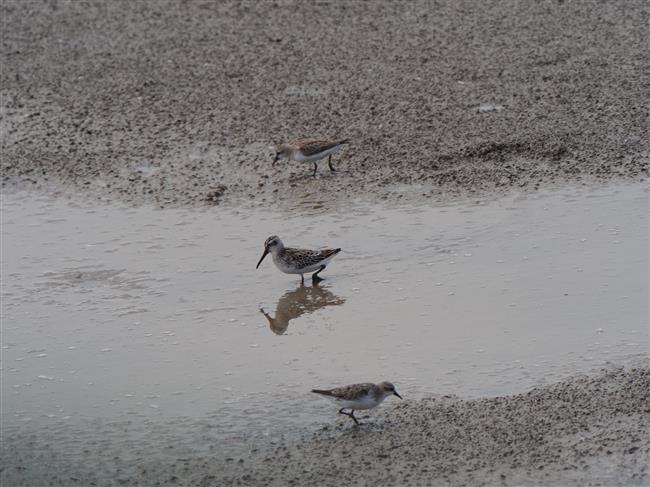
x: 309, y: 147
x: 303, y: 257
x: 353, y: 391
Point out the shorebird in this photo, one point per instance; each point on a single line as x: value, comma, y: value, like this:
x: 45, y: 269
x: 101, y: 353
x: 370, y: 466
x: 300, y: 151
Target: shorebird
x: 309, y: 150
x: 358, y: 396
x: 297, y: 261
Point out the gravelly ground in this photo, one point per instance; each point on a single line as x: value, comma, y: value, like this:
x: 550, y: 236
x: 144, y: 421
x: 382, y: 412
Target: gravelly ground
x: 589, y: 430
x: 176, y: 103
x: 586, y: 430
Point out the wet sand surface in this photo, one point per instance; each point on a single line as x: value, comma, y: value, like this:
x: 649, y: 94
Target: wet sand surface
x: 138, y: 337
x: 176, y: 103
x: 587, y: 430
x: 494, y: 227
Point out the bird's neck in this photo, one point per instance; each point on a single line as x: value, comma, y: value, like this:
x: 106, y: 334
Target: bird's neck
x: 277, y: 251
x: 380, y: 394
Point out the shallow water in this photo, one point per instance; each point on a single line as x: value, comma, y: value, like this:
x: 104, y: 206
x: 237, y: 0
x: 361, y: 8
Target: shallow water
x: 124, y: 326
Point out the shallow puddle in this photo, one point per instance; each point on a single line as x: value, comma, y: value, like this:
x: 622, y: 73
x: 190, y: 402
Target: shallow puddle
x: 115, y: 318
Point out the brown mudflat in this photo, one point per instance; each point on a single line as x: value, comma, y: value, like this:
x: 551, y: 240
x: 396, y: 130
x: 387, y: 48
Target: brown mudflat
x: 176, y: 103
x: 590, y: 430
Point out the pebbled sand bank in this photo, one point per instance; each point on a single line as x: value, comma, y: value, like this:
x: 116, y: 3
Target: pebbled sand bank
x: 586, y: 430
x: 175, y: 103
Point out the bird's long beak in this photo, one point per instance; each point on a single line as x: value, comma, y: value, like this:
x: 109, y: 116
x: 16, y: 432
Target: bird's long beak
x: 266, y: 251
x: 396, y: 394
x: 277, y: 156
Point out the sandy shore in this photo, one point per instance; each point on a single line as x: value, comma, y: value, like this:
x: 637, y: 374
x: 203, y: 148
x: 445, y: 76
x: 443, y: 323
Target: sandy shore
x: 176, y: 103
x: 586, y: 430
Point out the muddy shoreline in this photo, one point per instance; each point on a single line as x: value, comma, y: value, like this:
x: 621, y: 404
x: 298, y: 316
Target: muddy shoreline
x: 176, y: 103
x: 586, y: 430
x: 583, y: 431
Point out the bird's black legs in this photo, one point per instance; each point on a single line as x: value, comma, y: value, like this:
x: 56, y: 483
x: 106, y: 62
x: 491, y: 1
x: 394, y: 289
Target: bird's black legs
x: 329, y: 163
x: 351, y: 414
x: 302, y: 279
x: 314, y: 276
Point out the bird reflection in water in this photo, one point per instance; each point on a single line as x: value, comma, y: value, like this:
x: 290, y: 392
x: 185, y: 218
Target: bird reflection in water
x: 300, y: 301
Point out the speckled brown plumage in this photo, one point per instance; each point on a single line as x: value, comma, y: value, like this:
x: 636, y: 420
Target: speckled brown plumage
x: 310, y: 147
x: 351, y: 392
x: 302, y: 258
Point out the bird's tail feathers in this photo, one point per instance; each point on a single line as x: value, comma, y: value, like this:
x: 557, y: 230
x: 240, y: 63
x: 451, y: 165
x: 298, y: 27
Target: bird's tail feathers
x: 321, y: 391
x: 329, y: 252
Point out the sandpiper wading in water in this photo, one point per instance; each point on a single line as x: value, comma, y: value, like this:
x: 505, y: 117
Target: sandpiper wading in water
x: 297, y: 261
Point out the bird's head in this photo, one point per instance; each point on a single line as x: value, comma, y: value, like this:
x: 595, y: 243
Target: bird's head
x: 280, y: 151
x: 387, y: 388
x: 272, y: 245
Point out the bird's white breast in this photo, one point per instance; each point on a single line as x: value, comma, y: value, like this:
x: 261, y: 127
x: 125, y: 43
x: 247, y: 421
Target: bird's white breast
x: 368, y: 401
x: 287, y: 269
x: 282, y: 265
